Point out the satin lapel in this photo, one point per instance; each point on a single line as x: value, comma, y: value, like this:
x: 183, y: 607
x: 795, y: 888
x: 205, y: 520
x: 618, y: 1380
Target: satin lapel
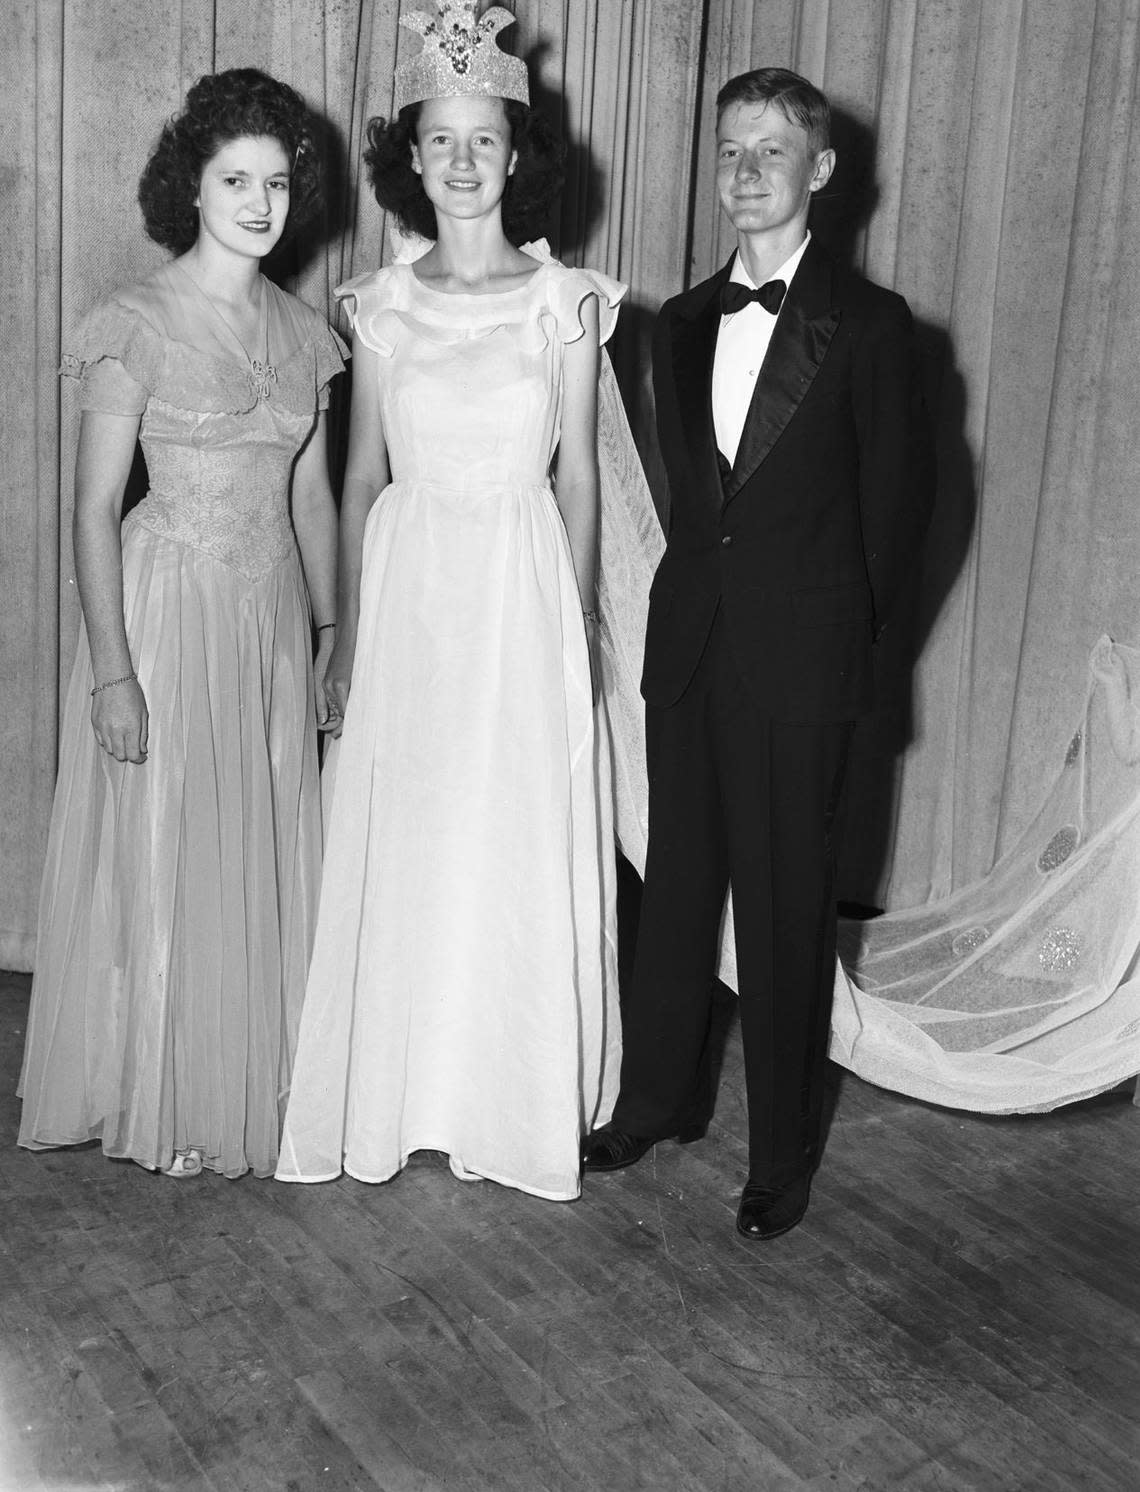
x: 803, y: 330
x: 694, y: 333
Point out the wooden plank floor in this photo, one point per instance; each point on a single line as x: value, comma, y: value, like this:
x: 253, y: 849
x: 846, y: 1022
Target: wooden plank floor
x: 960, y: 1310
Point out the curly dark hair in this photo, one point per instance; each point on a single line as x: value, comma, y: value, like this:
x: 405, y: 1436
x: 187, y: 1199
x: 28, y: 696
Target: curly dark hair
x: 221, y: 107
x: 530, y: 192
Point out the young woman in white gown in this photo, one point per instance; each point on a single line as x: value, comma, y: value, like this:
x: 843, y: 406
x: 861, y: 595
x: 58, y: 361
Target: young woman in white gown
x: 462, y: 994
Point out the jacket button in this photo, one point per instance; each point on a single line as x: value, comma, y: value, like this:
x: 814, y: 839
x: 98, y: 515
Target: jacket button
x: 726, y: 539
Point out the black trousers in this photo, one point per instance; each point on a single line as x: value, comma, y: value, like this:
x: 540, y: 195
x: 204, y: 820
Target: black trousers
x: 736, y: 797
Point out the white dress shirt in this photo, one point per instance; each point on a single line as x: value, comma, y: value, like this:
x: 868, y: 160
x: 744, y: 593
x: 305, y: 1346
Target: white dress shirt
x: 741, y: 346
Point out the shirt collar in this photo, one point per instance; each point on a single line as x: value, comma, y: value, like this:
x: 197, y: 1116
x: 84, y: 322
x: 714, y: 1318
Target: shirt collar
x: 785, y: 272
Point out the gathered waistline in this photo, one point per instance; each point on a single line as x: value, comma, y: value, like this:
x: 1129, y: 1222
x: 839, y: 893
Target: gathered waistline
x: 520, y: 483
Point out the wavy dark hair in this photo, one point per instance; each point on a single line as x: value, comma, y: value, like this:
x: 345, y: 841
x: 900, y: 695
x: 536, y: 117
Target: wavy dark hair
x: 219, y: 108
x: 529, y: 194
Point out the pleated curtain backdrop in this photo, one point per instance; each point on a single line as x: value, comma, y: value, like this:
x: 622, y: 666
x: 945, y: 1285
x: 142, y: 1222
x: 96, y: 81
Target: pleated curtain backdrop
x: 989, y: 171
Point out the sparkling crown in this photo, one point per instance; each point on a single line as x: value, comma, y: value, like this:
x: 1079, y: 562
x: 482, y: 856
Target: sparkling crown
x: 460, y: 56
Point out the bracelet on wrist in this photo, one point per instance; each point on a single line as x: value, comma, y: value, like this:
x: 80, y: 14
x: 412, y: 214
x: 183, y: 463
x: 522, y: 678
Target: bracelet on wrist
x: 128, y: 678
x: 324, y: 626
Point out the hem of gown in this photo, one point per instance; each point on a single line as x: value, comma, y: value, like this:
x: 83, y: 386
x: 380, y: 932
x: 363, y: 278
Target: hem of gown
x: 156, y: 1166
x: 515, y: 1185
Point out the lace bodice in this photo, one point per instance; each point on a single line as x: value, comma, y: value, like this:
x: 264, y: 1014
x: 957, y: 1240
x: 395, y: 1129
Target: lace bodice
x: 470, y: 385
x: 219, y: 449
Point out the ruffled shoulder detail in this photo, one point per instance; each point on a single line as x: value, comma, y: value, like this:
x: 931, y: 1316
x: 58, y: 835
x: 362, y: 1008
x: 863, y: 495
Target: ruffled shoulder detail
x: 115, y: 330
x: 372, y: 302
x: 568, y: 287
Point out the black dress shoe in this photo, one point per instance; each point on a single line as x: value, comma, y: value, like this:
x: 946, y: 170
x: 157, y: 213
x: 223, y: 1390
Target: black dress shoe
x: 608, y: 1149
x: 765, y: 1212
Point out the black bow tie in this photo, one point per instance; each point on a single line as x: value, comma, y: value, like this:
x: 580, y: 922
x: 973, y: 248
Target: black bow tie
x: 734, y: 296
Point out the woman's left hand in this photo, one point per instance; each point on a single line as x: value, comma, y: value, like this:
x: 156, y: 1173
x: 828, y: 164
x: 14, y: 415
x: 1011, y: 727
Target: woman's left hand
x: 328, y: 717
x: 594, y: 648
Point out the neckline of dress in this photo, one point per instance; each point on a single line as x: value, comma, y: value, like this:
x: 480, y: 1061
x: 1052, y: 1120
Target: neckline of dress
x: 261, y: 373
x: 477, y: 295
x: 220, y: 358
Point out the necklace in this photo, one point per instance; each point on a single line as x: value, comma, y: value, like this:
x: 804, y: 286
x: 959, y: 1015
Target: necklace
x: 261, y: 373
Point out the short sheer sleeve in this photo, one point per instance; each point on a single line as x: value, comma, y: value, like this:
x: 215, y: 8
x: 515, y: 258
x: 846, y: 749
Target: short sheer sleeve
x: 117, y: 358
x: 570, y: 288
x: 330, y: 353
x: 105, y: 387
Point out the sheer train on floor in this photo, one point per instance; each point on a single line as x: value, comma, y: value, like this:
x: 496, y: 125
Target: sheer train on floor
x: 1016, y: 994
x: 1022, y: 991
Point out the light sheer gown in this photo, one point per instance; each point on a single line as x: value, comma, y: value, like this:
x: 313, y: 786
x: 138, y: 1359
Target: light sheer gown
x: 179, y: 896
x: 462, y: 995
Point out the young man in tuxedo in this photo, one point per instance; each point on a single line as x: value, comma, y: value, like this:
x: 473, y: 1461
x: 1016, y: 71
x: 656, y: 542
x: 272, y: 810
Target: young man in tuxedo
x: 791, y: 423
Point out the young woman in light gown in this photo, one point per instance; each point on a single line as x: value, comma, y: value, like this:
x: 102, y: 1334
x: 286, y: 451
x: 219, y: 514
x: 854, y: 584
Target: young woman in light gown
x: 183, y: 862
x: 462, y: 995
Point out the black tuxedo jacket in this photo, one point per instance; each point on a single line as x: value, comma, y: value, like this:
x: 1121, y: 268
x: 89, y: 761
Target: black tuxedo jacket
x: 805, y: 545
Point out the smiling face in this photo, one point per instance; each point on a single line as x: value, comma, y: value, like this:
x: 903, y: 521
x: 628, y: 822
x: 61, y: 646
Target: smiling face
x: 463, y: 153
x: 243, y: 196
x: 766, y: 171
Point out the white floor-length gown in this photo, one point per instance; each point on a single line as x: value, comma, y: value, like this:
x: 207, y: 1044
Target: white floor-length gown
x: 463, y: 993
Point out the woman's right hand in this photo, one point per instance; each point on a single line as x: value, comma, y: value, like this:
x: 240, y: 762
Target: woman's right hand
x: 338, y: 681
x: 1107, y: 665
x: 121, y: 722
